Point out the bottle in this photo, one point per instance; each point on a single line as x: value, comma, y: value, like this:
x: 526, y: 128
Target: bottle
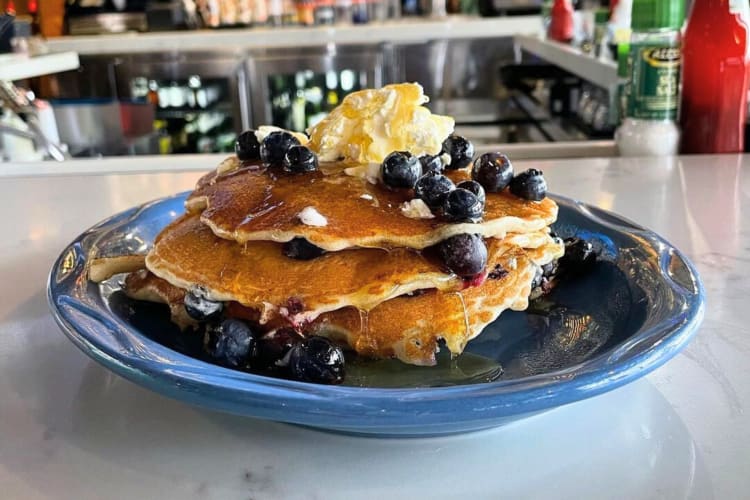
x: 275, y: 10
x: 714, y: 77
x: 343, y: 11
x: 305, y: 12
x: 561, y: 22
x: 360, y: 13
x: 601, y: 18
x: 649, y: 128
x: 325, y: 14
x: 410, y: 8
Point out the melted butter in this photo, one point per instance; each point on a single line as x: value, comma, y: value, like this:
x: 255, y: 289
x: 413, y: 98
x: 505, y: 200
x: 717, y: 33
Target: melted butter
x: 370, y: 124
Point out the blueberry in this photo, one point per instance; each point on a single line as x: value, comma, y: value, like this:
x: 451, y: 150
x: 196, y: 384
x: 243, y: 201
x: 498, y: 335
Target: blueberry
x: 318, y: 360
x: 275, y: 145
x: 461, y: 205
x: 232, y: 344
x: 474, y: 187
x: 538, y: 277
x: 401, y: 169
x: 273, y: 349
x: 432, y: 188
x: 199, y: 307
x: 460, y: 150
x: 431, y: 163
x: 493, y: 171
x: 529, y: 185
x: 299, y: 159
x: 301, y: 249
x: 464, y: 254
x: 247, y: 146
x: 579, y: 256
x: 549, y: 269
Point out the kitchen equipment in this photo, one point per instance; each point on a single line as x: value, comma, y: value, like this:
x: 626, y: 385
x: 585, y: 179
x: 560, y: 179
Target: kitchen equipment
x: 89, y: 126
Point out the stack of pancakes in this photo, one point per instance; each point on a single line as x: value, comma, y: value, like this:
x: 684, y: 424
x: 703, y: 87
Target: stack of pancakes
x: 377, y: 289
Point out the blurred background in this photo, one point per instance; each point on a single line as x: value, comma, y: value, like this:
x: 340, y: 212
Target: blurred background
x: 186, y: 76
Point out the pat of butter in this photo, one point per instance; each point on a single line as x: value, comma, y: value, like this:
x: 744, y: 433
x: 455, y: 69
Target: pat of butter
x: 228, y: 165
x: 416, y: 209
x: 311, y: 217
x: 370, y: 124
x: 369, y: 172
x: 265, y: 130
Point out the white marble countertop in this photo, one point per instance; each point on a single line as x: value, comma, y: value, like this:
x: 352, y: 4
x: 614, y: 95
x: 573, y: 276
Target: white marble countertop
x: 237, y: 40
x: 71, y: 429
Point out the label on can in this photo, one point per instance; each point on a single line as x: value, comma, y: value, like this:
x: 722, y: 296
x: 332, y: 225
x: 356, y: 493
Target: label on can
x: 654, y: 81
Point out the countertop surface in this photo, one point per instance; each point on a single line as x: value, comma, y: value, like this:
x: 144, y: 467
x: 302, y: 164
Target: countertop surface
x: 71, y: 429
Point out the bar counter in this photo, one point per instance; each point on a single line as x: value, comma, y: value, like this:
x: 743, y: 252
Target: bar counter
x: 69, y: 428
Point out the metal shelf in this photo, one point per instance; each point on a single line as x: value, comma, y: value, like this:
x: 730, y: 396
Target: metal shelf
x: 19, y: 67
x: 238, y: 40
x: 591, y: 69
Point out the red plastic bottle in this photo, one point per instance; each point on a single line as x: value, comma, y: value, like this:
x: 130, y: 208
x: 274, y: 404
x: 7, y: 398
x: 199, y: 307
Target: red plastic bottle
x: 715, y: 77
x: 561, y: 21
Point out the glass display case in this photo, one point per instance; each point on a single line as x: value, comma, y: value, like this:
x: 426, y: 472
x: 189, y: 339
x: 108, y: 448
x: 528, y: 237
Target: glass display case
x: 294, y: 88
x: 195, y: 98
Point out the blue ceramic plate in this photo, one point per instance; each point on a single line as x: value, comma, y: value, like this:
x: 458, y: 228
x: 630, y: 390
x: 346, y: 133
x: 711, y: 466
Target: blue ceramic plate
x: 635, y: 310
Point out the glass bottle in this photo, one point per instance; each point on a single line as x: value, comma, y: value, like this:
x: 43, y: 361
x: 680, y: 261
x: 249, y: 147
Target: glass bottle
x: 561, y: 22
x: 650, y: 128
x: 714, y: 77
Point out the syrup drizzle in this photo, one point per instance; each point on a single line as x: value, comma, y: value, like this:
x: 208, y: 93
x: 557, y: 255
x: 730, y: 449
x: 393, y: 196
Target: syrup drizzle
x: 466, y: 314
x: 364, y: 342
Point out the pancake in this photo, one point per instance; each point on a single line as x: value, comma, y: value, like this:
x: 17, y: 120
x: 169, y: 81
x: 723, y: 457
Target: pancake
x: 410, y: 328
x: 142, y: 285
x: 257, y: 274
x: 406, y: 327
x: 251, y: 203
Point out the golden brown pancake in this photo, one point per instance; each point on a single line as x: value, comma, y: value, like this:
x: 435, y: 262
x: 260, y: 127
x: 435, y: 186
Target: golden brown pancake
x: 251, y: 203
x: 142, y: 285
x: 257, y: 274
x: 406, y: 327
x: 409, y: 328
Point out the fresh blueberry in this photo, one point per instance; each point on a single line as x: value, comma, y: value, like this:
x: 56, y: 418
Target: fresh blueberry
x: 464, y: 254
x: 538, y: 277
x: 549, y: 269
x: 461, y: 205
x: 275, y: 145
x: 401, y: 169
x: 493, y: 171
x: 299, y: 159
x: 432, y: 188
x: 460, y: 150
x: 474, y: 187
x: 272, y: 349
x: 199, y: 307
x: 232, y: 344
x: 579, y: 256
x: 318, y: 360
x: 431, y: 163
x: 301, y: 249
x: 529, y: 185
x: 247, y: 146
